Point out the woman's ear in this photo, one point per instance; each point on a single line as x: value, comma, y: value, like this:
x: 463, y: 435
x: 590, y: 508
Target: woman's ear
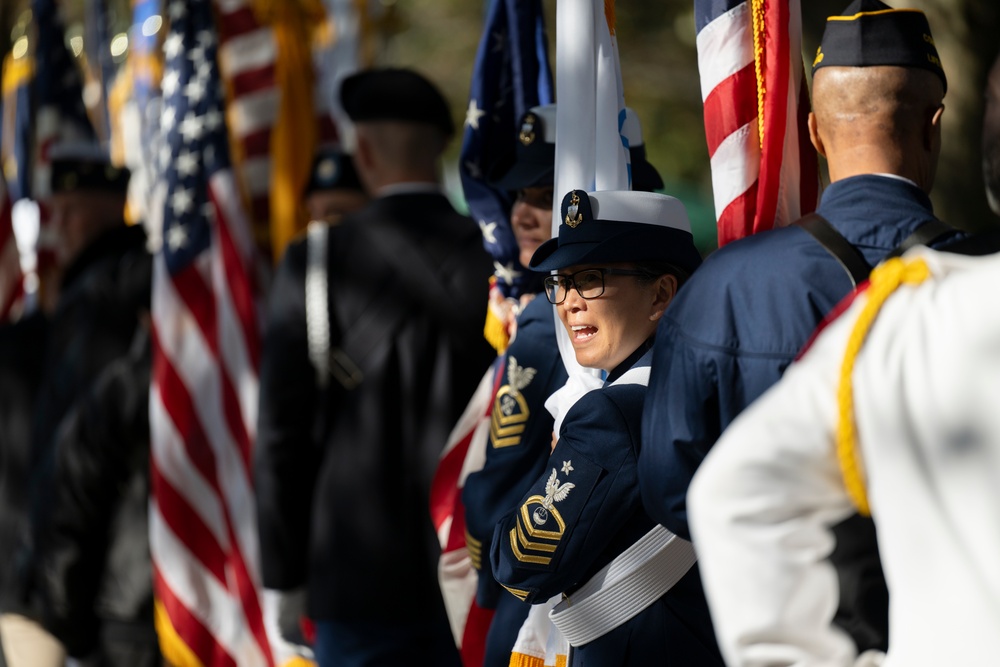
x: 664, y: 290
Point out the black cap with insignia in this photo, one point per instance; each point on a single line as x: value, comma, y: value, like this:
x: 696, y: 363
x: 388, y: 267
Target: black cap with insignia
x: 619, y: 226
x: 332, y: 169
x: 870, y: 33
x: 532, y: 165
x: 85, y: 166
x: 395, y: 94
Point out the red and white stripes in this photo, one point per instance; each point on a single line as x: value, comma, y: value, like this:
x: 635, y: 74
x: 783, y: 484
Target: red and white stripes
x: 202, y: 415
x: 764, y: 170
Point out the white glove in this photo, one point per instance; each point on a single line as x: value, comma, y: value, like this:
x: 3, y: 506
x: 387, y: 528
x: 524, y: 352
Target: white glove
x: 870, y: 658
x: 289, y: 609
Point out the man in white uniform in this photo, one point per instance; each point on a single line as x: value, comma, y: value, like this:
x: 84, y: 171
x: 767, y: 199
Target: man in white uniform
x: 908, y: 426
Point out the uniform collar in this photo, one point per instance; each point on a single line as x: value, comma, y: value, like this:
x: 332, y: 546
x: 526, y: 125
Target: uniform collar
x: 409, y: 189
x: 634, y: 359
x: 875, y: 211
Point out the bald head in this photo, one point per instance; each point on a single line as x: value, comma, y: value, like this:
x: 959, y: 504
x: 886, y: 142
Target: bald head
x: 882, y: 119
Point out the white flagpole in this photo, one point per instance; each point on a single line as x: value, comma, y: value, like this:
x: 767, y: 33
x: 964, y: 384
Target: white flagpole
x: 590, y: 154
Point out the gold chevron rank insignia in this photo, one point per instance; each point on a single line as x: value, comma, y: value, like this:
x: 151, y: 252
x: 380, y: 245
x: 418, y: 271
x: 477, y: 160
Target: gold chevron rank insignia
x: 517, y: 592
x: 540, y: 527
x: 510, y: 410
x: 475, y: 548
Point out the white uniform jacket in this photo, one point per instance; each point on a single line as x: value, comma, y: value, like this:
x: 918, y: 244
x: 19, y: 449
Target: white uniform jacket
x: 926, y: 390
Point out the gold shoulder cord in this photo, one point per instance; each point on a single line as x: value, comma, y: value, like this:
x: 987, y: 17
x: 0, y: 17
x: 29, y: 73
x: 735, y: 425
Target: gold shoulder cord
x: 883, y: 282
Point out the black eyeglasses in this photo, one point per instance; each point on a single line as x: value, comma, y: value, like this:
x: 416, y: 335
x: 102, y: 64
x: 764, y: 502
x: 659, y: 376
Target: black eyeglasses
x: 589, y: 283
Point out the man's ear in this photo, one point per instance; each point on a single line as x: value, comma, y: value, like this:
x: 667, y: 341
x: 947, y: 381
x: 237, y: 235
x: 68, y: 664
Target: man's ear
x: 665, y: 289
x: 814, y: 137
x: 363, y: 153
x: 932, y: 131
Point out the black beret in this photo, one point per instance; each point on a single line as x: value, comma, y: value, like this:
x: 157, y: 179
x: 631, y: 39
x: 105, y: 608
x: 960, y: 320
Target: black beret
x: 619, y: 226
x: 395, y: 94
x: 332, y: 169
x: 84, y: 167
x: 870, y: 32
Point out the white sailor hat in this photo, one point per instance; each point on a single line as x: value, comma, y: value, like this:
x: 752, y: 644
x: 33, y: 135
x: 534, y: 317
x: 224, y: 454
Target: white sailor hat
x: 619, y: 226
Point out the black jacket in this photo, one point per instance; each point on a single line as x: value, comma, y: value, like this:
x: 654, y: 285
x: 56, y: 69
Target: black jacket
x: 93, y: 561
x: 343, y: 477
x: 95, y: 320
x: 101, y: 294
x: 22, y: 346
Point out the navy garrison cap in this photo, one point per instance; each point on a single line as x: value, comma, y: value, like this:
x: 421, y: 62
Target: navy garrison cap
x: 619, y: 226
x: 85, y: 166
x: 533, y: 162
x: 395, y: 94
x: 870, y: 32
x: 332, y: 169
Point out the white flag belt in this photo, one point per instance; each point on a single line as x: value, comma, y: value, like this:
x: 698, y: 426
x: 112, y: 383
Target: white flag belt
x: 635, y: 579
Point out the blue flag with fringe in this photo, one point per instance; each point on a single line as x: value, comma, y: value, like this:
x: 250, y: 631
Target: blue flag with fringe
x: 511, y: 75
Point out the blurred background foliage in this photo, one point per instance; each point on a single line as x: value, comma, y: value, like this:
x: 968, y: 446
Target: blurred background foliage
x: 656, y: 42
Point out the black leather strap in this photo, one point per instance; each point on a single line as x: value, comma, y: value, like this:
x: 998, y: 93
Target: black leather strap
x: 849, y: 257
x: 411, y: 281
x: 926, y: 234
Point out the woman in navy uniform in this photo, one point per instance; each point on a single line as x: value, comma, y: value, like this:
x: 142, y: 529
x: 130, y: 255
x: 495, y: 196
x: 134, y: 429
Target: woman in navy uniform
x: 620, y: 257
x: 531, y: 368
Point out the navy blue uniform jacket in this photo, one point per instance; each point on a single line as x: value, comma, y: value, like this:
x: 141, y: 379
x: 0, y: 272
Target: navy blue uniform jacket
x: 737, y: 325
x: 517, y: 452
x: 540, y: 552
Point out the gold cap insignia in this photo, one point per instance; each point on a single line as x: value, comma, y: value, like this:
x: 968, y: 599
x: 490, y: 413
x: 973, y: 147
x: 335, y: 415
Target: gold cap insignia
x: 527, y: 135
x: 573, y: 216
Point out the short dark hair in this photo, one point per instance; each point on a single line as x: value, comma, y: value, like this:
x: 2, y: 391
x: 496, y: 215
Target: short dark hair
x: 656, y: 269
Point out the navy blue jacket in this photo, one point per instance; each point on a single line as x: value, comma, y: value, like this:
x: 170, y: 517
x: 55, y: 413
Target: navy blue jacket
x: 740, y: 321
x: 538, y: 552
x: 518, y: 450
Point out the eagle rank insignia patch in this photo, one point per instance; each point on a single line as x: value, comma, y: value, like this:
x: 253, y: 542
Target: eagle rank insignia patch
x: 510, y: 410
x: 540, y: 526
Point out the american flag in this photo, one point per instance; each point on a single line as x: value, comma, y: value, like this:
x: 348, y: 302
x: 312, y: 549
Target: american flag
x: 511, y: 74
x: 247, y: 55
x: 764, y: 170
x: 274, y: 116
x: 11, y: 279
x: 205, y: 362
